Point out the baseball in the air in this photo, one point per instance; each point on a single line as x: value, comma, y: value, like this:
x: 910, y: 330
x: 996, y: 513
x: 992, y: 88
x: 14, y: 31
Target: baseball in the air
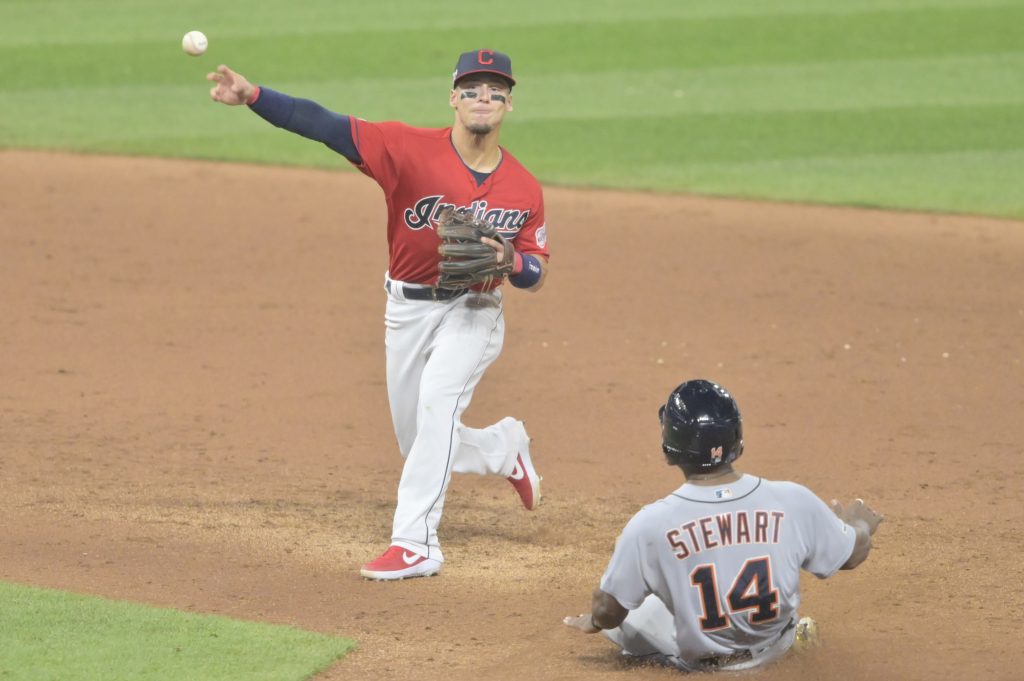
x: 194, y: 43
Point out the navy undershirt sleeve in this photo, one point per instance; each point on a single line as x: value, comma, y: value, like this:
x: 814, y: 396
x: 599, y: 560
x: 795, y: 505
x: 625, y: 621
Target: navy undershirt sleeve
x: 307, y: 118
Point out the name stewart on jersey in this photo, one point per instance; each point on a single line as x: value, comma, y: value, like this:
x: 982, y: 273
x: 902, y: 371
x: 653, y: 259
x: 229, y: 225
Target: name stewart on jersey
x: 426, y: 211
x: 725, y: 529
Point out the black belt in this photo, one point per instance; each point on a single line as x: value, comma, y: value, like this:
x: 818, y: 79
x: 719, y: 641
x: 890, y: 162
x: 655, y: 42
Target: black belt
x: 427, y: 292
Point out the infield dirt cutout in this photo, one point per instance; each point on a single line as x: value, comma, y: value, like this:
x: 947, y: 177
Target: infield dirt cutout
x: 193, y: 412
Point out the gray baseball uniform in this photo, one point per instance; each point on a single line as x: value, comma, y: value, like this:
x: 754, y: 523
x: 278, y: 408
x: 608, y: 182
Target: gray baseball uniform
x: 716, y: 570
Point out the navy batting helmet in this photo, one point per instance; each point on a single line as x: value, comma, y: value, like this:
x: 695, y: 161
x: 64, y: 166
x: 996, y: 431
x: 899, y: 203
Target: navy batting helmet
x: 701, y: 426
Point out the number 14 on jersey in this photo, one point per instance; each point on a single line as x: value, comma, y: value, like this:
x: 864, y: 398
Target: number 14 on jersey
x: 752, y: 591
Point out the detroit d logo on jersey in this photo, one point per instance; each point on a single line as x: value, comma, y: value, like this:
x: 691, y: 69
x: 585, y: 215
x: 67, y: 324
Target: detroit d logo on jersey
x: 427, y: 210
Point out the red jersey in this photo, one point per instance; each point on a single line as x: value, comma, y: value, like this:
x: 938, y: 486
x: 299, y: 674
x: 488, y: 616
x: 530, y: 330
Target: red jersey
x: 422, y: 174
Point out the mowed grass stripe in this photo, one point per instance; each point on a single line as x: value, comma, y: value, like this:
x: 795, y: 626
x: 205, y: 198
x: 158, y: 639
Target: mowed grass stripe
x: 869, y: 84
x: 52, y: 22
x: 956, y: 182
x: 545, y: 49
x: 741, y: 137
x: 59, y: 635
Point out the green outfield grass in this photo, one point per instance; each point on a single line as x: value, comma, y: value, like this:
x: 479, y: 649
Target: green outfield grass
x: 57, y: 635
x: 898, y: 103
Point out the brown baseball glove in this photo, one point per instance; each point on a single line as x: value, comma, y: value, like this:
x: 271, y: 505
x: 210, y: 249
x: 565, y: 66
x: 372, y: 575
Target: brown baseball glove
x: 465, y: 259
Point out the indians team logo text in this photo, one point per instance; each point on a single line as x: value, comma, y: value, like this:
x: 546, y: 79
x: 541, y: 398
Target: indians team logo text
x: 427, y: 210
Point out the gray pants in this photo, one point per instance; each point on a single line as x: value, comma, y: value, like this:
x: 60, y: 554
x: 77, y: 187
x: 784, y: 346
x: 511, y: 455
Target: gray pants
x: 649, y: 632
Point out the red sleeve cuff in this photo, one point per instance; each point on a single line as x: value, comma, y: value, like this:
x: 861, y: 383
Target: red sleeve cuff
x: 254, y: 96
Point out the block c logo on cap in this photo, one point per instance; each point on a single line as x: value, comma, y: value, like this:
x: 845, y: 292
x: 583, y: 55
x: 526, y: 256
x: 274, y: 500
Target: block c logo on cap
x: 484, y: 61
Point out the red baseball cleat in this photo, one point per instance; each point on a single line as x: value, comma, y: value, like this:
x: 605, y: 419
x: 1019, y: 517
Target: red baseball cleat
x: 524, y: 477
x: 399, y: 563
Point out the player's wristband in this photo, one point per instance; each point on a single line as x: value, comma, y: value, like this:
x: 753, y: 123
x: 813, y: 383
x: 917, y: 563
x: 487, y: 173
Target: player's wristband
x: 528, y: 273
x: 254, y: 96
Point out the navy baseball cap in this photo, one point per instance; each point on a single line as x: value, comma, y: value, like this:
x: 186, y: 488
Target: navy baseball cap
x: 484, y: 61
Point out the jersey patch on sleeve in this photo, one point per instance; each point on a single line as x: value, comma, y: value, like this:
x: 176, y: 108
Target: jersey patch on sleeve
x: 542, y: 235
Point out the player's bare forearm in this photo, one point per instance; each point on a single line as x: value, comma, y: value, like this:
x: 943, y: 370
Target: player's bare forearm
x: 605, y: 613
x: 861, y: 546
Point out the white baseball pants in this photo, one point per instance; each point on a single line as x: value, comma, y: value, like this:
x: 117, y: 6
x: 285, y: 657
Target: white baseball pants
x: 437, y: 352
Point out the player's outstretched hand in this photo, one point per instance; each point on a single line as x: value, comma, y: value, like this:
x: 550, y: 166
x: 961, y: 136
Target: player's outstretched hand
x: 858, y: 512
x: 584, y: 623
x: 231, y: 88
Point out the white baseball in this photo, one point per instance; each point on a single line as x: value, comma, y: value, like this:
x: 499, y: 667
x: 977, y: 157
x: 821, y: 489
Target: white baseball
x: 194, y: 43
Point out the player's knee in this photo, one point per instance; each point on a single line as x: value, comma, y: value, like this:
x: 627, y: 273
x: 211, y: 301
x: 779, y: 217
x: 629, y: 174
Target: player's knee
x: 440, y: 417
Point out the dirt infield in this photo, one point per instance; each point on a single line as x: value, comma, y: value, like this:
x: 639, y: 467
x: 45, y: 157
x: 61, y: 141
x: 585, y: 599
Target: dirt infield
x: 193, y: 412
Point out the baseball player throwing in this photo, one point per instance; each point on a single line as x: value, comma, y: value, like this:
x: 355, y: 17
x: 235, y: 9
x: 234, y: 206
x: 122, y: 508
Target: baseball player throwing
x: 439, y: 340
x: 723, y: 552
